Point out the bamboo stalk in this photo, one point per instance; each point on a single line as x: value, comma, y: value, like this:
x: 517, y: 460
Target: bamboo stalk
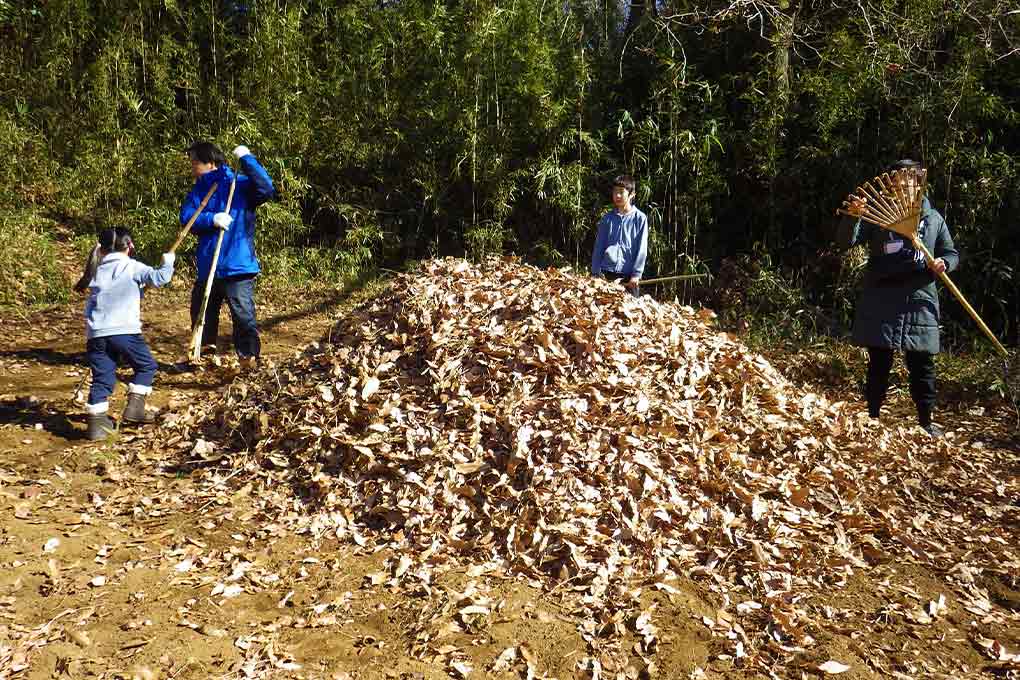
x: 963, y: 301
x: 196, y: 333
x: 187, y: 227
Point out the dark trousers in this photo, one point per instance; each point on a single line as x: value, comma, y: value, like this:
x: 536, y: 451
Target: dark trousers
x: 239, y: 293
x: 920, y: 365
x: 103, y: 355
x: 622, y: 278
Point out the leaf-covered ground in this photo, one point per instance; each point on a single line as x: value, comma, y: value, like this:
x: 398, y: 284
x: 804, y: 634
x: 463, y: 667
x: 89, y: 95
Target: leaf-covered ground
x: 495, y: 472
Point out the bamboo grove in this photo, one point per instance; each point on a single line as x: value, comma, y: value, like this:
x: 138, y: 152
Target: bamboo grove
x: 402, y: 129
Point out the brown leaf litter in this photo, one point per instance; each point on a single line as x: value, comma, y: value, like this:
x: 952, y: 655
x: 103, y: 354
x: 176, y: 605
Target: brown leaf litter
x: 543, y: 424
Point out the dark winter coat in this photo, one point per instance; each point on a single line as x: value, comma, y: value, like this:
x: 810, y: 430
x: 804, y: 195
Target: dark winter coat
x: 898, y: 307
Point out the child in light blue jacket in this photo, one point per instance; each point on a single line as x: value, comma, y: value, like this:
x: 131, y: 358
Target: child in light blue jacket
x: 113, y: 329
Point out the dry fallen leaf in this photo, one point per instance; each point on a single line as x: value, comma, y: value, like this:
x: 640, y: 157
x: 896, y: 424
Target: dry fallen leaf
x: 143, y: 673
x: 370, y: 388
x: 79, y: 637
x: 460, y: 669
x: 549, y: 425
x: 505, y: 660
x: 211, y: 631
x: 833, y: 667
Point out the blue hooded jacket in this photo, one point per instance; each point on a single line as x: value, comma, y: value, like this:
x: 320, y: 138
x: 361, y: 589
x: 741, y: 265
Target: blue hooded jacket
x: 237, y: 254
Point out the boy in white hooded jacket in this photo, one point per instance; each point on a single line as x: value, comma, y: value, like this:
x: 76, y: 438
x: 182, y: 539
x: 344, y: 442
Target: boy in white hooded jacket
x: 113, y: 328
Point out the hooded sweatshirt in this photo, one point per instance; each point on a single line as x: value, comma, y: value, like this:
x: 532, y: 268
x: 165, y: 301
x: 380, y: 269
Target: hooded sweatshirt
x: 115, y: 295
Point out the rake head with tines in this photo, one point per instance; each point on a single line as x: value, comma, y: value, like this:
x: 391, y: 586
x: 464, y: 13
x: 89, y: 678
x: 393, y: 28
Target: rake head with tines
x: 893, y: 202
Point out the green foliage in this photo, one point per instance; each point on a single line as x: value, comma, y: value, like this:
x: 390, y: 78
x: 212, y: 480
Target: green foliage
x: 399, y: 130
x: 30, y: 271
x: 485, y: 240
x: 351, y: 259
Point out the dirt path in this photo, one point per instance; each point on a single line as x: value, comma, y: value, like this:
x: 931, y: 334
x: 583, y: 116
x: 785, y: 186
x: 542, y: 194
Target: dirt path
x: 114, y: 565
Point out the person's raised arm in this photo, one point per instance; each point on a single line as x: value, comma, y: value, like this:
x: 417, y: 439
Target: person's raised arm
x: 260, y: 187
x: 156, y: 277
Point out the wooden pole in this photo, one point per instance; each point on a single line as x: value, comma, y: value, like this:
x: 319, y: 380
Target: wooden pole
x: 959, y: 296
x: 187, y: 227
x: 196, y: 334
x: 672, y: 278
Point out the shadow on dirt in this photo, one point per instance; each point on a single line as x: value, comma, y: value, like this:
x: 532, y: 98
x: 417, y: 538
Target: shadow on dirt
x: 46, y: 355
x: 323, y: 306
x: 29, y: 413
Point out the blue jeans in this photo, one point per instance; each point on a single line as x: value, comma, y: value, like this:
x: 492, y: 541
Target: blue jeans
x: 103, y: 355
x: 239, y: 293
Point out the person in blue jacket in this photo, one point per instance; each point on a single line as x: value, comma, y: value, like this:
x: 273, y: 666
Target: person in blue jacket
x: 237, y: 267
x: 621, y: 245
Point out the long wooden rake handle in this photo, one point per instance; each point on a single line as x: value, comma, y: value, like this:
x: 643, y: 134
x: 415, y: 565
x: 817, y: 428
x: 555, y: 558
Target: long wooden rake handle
x: 196, y: 333
x: 963, y: 301
x: 187, y: 227
x: 664, y: 279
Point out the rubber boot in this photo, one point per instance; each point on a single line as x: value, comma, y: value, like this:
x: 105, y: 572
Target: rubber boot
x: 135, y: 411
x: 100, y: 427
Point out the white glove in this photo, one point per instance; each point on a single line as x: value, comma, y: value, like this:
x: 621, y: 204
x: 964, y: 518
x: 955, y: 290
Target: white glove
x: 223, y: 220
x: 168, y: 259
x: 241, y: 151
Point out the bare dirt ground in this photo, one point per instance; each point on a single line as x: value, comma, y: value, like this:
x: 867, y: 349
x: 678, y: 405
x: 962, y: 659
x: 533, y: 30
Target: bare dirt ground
x: 114, y: 564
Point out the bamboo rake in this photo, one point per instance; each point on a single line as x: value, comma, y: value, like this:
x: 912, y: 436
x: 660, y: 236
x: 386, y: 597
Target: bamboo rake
x: 896, y: 206
x: 963, y: 301
x: 664, y: 279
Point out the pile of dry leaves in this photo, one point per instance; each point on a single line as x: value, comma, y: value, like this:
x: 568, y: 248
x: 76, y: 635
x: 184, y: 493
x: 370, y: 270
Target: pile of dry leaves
x: 546, y: 424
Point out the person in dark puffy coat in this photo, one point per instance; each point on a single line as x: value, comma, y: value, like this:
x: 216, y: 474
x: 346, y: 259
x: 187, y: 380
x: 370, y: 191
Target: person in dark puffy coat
x: 898, y: 306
